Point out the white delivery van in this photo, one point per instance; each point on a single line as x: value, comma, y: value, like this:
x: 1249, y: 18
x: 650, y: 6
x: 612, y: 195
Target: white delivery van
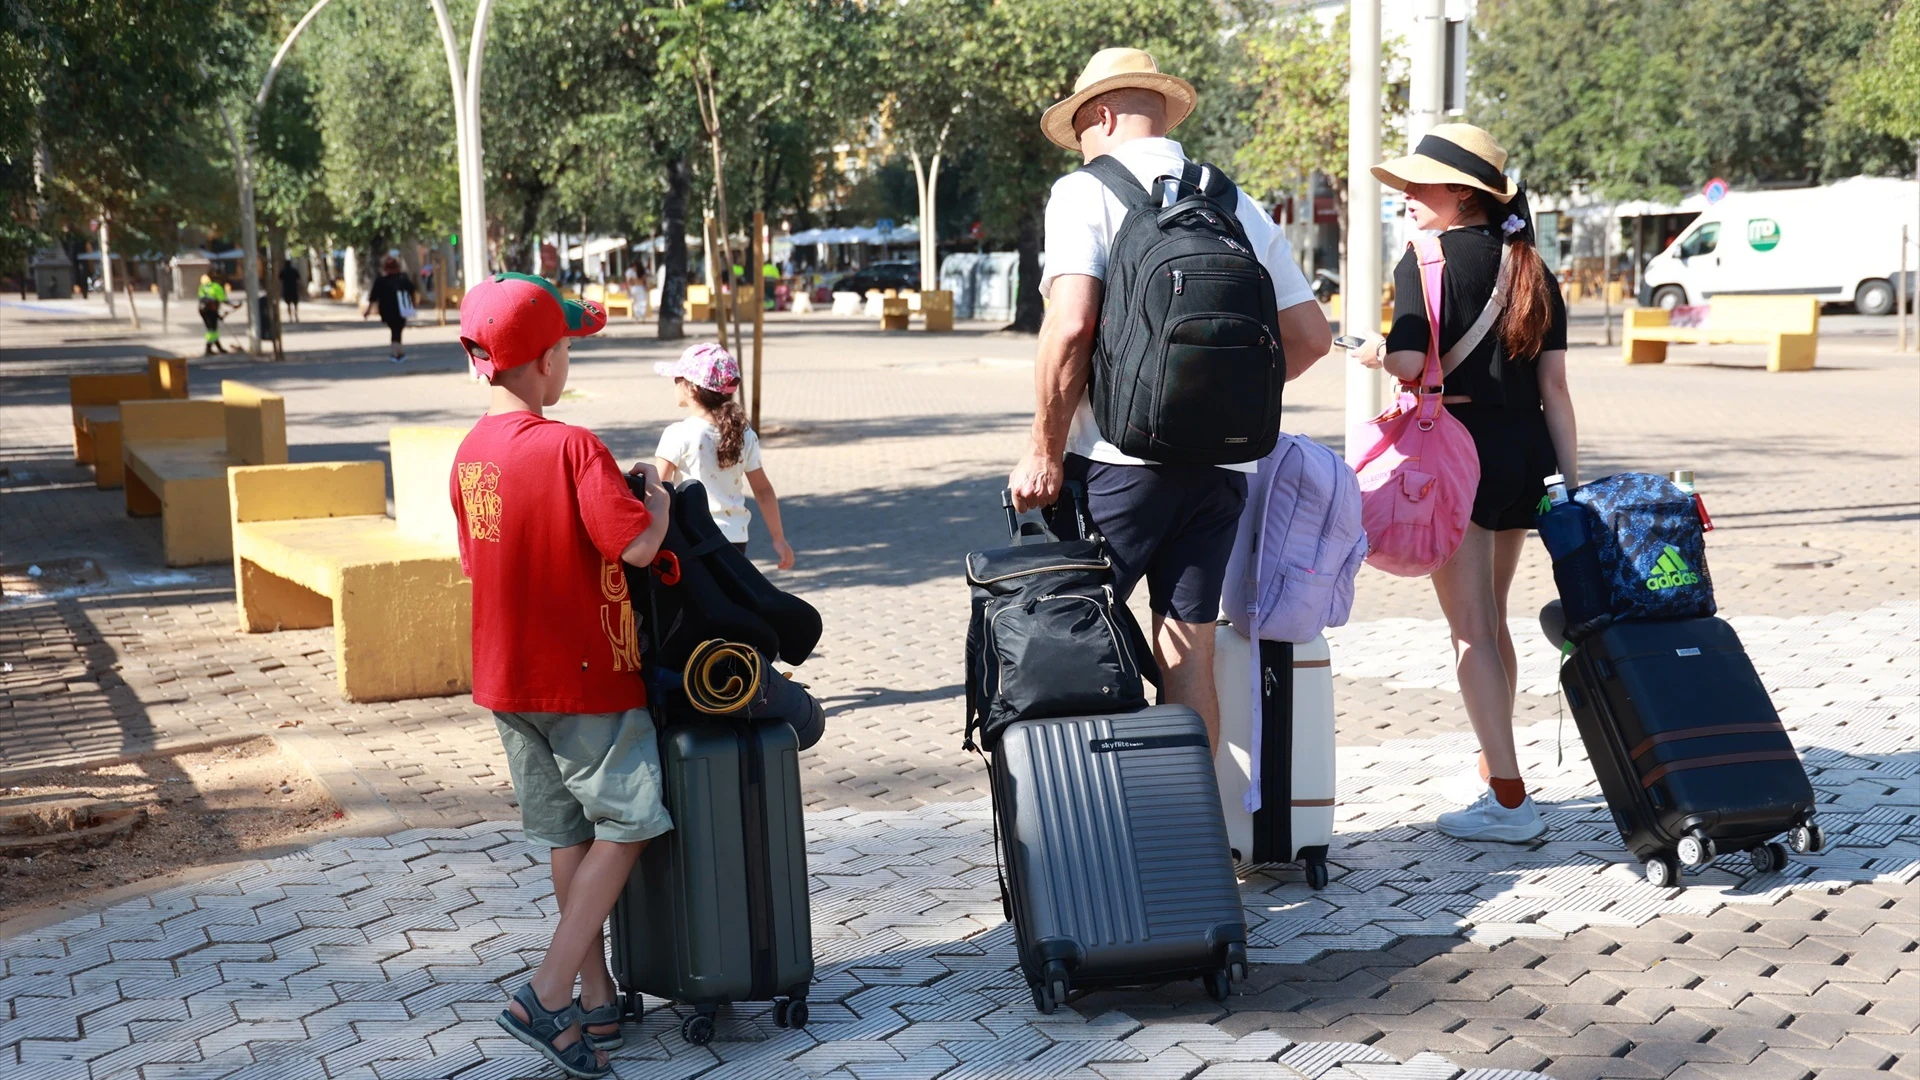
x: 1840, y: 242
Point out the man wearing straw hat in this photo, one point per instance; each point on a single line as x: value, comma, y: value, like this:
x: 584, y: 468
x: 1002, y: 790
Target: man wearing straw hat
x: 1170, y: 525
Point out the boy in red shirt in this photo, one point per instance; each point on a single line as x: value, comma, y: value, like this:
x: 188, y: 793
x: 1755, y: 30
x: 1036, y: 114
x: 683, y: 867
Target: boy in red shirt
x: 546, y: 522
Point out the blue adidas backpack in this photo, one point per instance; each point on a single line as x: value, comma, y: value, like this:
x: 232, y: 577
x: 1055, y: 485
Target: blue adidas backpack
x: 1652, y: 548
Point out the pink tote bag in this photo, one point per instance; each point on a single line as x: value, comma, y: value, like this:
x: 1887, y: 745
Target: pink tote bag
x: 1417, y: 466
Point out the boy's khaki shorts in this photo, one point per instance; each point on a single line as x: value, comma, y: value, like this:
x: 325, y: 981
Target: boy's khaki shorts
x: 585, y: 776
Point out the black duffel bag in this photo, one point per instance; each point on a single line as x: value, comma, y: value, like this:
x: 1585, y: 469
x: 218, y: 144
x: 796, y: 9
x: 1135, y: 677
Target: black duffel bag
x: 1048, y: 637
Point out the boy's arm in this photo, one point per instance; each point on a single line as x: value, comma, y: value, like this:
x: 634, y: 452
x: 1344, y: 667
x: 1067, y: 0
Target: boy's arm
x: 658, y: 502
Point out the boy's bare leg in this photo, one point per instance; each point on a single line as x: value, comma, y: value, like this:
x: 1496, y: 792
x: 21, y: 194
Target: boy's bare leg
x: 596, y: 982
x: 598, y: 871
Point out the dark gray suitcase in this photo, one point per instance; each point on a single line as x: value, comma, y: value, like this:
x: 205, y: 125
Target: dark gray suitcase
x: 716, y: 910
x: 1117, y: 867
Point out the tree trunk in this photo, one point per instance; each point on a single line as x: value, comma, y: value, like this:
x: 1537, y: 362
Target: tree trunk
x: 529, y: 239
x: 673, y: 261
x: 270, y: 289
x: 1027, y: 308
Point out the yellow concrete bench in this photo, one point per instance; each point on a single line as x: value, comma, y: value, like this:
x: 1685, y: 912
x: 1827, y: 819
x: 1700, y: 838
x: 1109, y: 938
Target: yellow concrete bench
x: 177, y: 454
x: 1788, y: 325
x: 312, y: 546
x: 96, y: 411
x: 699, y: 303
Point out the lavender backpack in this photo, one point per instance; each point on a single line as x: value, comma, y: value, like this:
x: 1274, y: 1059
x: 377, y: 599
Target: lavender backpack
x: 1299, y: 547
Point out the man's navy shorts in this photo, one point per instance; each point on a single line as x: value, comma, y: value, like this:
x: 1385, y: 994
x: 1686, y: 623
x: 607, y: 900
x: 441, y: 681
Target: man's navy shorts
x: 1172, y: 525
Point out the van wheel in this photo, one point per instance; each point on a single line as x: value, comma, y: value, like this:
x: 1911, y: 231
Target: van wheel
x: 1874, y: 297
x: 1668, y: 297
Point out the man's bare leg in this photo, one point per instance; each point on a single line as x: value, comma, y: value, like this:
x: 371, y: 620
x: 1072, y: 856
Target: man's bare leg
x: 1185, y: 653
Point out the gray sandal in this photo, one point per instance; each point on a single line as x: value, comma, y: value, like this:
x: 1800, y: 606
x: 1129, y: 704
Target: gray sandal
x: 601, y: 1017
x: 544, y: 1025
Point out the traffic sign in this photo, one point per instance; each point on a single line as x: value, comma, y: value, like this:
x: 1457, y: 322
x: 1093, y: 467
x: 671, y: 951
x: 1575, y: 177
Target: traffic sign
x: 1715, y: 190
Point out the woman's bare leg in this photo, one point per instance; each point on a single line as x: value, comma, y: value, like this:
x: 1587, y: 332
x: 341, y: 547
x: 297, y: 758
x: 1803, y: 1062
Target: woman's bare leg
x: 1465, y: 587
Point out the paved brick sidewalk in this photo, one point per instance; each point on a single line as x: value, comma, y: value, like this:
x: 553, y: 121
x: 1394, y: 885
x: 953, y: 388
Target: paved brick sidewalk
x: 888, y: 452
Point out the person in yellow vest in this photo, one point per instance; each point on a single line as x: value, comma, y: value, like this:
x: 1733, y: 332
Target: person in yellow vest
x: 212, y: 295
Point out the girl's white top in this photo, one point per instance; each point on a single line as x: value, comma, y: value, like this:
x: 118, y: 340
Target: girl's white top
x: 693, y: 445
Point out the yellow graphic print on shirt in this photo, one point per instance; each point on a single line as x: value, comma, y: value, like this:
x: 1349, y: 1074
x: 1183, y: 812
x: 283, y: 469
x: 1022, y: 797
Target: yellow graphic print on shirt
x: 616, y: 618
x: 480, y: 495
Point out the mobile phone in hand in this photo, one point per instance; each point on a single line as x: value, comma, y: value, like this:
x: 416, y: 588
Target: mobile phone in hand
x: 1349, y: 341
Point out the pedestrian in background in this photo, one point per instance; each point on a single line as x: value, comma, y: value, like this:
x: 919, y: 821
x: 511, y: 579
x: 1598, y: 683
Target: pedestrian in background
x: 1510, y: 392
x: 290, y: 289
x: 212, y: 294
x: 393, y: 294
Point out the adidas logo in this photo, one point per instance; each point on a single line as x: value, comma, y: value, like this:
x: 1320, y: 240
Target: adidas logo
x: 1671, y: 571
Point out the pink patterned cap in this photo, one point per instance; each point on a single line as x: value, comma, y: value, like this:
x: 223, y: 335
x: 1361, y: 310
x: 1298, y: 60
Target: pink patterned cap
x: 705, y: 365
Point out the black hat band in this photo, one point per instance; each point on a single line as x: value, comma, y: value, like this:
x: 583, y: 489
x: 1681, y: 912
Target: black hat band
x: 1451, y: 153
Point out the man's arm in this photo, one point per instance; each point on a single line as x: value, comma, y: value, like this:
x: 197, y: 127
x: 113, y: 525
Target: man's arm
x: 1305, y: 337
x: 1061, y: 368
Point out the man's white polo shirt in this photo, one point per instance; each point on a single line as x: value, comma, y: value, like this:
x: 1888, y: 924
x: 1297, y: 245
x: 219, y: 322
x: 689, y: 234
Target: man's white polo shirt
x: 1082, y: 218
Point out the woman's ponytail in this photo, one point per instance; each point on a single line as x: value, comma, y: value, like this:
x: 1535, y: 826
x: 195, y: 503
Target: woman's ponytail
x: 1529, y: 314
x: 729, y: 418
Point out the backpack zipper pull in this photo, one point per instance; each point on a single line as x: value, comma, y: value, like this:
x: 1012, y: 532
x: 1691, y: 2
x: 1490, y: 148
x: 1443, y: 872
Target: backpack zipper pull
x: 1179, y: 282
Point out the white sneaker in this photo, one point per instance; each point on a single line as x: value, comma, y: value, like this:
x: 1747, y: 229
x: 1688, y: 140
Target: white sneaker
x: 1486, y: 819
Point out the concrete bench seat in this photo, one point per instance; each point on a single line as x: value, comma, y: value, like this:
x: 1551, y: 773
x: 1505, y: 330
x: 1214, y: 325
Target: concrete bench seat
x: 1788, y: 325
x: 313, y: 546
x: 96, y: 402
x: 176, y: 455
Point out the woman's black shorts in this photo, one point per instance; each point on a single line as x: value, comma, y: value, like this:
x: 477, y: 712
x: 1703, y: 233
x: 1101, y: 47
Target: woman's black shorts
x: 1516, y: 457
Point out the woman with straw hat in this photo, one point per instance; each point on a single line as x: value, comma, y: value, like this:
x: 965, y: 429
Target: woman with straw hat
x: 1510, y: 392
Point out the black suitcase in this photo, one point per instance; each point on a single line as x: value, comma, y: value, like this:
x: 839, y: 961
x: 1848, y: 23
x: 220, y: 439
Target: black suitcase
x: 1688, y: 749
x: 1117, y: 869
x: 717, y: 909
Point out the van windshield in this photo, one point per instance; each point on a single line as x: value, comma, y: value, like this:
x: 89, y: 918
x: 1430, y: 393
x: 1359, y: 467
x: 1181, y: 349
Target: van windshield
x: 1701, y: 241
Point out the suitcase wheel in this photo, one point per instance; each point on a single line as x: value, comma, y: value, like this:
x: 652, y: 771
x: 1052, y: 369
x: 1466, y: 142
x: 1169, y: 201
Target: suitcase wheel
x: 1695, y: 850
x: 1807, y: 839
x: 790, y: 1013
x: 634, y: 1005
x: 697, y: 1029
x: 1217, y: 983
x: 1768, y: 857
x: 1051, y: 991
x: 1663, y: 872
x: 1317, y: 876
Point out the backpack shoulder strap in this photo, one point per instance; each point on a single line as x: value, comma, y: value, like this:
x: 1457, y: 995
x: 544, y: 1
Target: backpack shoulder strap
x: 1120, y: 180
x: 1489, y: 315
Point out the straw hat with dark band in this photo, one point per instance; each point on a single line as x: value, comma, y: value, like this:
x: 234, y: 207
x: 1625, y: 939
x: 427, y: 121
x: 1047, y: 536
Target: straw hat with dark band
x: 1451, y: 154
x: 1112, y: 69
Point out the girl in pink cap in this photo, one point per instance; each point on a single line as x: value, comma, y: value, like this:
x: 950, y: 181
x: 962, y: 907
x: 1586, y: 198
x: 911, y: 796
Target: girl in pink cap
x: 716, y: 447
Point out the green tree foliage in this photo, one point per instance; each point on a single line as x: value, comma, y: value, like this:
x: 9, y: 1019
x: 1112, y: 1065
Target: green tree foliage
x: 1643, y: 97
x: 1295, y: 70
x: 1026, y: 56
x: 110, y: 94
x: 1881, y: 93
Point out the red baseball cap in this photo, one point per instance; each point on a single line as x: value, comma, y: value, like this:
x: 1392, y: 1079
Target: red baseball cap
x: 511, y: 319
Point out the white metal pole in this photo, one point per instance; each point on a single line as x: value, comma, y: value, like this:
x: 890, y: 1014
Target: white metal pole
x: 474, y: 254
x: 458, y: 80
x: 1362, y: 287
x: 1427, y: 83
x: 106, y: 266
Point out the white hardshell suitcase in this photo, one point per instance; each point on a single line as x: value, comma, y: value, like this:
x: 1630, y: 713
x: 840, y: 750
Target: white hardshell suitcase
x: 1295, y: 819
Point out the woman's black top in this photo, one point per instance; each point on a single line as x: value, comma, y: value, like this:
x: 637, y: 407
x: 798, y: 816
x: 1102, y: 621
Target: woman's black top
x: 1473, y: 265
x: 385, y: 295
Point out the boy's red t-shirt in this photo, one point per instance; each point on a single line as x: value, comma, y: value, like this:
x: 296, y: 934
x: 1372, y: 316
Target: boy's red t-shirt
x: 544, y: 514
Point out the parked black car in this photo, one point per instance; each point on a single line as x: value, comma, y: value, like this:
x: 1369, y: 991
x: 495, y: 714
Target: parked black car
x: 883, y: 276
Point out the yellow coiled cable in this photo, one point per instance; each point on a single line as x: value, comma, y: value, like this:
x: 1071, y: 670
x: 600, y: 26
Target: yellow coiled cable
x: 715, y: 691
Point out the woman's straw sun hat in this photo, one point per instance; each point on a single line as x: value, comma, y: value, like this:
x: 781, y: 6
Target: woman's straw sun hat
x: 1451, y: 154
x: 1112, y: 69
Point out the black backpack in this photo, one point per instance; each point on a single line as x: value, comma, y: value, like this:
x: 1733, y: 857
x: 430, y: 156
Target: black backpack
x: 1048, y: 637
x: 1187, y: 366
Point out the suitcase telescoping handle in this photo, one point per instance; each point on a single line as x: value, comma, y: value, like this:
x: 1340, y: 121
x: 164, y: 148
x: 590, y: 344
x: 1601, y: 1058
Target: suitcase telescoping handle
x: 1076, y: 493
